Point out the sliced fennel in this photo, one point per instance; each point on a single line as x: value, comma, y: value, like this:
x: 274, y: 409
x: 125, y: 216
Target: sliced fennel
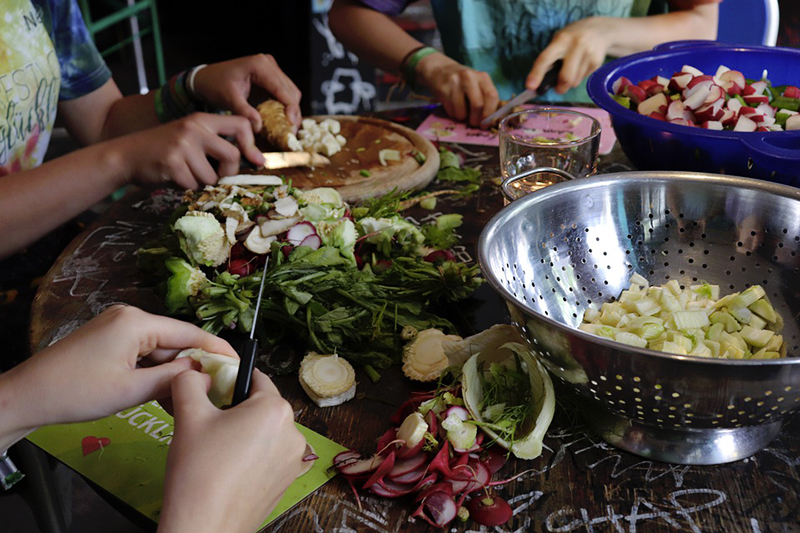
x: 221, y: 368
x: 692, y: 320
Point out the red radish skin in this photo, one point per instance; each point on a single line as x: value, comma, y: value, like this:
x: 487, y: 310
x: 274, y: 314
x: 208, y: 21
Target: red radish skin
x: 438, y: 509
x: 404, y: 466
x: 490, y: 511
x: 312, y: 241
x: 300, y: 231
x: 241, y: 267
x: 384, y: 468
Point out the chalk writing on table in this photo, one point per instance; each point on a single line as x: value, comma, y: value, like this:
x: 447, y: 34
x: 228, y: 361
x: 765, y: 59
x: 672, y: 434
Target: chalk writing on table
x: 88, y: 269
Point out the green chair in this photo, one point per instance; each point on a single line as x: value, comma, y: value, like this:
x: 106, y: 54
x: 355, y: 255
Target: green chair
x: 130, y: 10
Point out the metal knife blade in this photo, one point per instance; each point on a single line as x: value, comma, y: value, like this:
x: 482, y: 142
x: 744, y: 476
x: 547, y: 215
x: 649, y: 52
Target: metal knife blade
x: 249, y: 351
x: 273, y: 160
x: 548, y: 82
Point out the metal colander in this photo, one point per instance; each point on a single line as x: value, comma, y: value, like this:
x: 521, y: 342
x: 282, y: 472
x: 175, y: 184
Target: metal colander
x: 554, y: 252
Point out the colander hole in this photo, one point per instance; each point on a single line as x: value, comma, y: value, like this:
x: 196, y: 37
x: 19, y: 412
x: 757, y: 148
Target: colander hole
x: 727, y: 272
x: 705, y: 252
x: 705, y: 265
x: 681, y: 230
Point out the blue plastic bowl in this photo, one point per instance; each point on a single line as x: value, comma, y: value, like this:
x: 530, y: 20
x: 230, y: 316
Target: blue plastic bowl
x: 651, y: 144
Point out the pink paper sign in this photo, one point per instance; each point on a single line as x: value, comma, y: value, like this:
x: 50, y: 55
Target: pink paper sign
x: 438, y: 127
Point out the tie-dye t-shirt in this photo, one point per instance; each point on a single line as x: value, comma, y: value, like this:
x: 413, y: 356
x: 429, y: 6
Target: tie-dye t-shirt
x: 504, y: 37
x: 46, y: 55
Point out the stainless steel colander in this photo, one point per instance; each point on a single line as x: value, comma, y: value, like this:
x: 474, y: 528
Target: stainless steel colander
x: 554, y: 252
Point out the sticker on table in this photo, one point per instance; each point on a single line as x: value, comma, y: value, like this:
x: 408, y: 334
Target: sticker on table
x: 439, y: 127
x: 126, y: 455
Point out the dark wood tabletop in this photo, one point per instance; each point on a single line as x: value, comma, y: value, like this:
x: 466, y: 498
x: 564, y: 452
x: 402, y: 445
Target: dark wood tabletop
x: 579, y: 483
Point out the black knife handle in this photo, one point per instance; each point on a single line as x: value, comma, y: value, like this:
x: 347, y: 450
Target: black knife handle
x: 244, y: 377
x: 550, y: 79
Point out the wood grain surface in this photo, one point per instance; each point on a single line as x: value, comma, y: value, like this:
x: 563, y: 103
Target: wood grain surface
x: 580, y: 483
x: 356, y: 171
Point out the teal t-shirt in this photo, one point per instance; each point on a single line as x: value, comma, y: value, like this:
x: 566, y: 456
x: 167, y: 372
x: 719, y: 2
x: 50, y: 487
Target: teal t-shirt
x: 504, y: 37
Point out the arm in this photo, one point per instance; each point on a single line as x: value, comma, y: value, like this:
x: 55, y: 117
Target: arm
x: 98, y: 370
x: 105, y: 114
x: 584, y: 44
x: 240, y: 460
x: 36, y: 201
x: 465, y: 94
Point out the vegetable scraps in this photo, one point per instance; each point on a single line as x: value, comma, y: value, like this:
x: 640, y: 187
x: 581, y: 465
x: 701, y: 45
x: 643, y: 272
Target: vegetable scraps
x: 443, y: 448
x: 342, y: 279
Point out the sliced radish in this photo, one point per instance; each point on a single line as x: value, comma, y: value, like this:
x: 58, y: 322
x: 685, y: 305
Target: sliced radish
x: 410, y: 477
x: 391, y: 489
x: 700, y: 79
x: 732, y: 78
x: 619, y: 85
x: 675, y: 110
x: 471, y: 477
x: 312, y: 241
x: 712, y: 125
x: 745, y: 124
x: 756, y: 99
x: 404, y: 466
x: 652, y: 104
x: 722, y: 69
x: 679, y: 81
x: 362, y: 466
x: 658, y: 116
x: 635, y: 93
x: 438, y: 509
x: 696, y: 96
x: 300, y: 231
x: 384, y: 468
x: 691, y: 70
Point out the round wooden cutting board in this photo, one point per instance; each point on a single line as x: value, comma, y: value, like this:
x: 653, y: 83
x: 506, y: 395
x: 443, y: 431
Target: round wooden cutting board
x: 356, y: 171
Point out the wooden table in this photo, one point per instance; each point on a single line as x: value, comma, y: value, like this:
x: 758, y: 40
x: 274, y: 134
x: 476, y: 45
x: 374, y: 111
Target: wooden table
x: 580, y: 483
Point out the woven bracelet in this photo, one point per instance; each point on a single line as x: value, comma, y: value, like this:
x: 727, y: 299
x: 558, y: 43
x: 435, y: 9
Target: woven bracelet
x: 175, y: 99
x: 410, y: 64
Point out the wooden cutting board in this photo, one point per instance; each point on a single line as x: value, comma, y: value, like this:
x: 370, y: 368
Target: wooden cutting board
x: 356, y: 171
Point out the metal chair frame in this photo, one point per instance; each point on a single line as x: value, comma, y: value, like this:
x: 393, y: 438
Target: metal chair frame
x: 131, y: 12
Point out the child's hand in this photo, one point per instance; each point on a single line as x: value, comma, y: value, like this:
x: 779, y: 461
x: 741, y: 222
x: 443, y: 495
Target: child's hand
x: 582, y: 45
x: 227, y: 85
x: 181, y: 151
x: 226, y: 470
x: 100, y: 369
x: 466, y: 94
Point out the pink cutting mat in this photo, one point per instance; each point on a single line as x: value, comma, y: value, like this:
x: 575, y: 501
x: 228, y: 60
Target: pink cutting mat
x: 438, y: 127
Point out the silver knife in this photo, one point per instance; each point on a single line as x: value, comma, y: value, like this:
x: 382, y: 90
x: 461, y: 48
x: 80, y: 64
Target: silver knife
x: 548, y: 82
x: 273, y: 160
x: 247, y: 358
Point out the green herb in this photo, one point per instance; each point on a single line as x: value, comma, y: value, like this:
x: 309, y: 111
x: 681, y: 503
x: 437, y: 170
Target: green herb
x: 364, y: 173
x: 507, y: 396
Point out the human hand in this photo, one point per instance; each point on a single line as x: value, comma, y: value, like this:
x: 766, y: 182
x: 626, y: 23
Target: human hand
x: 179, y: 151
x: 466, y: 94
x: 227, y: 85
x: 122, y: 357
x: 226, y: 470
x: 583, y: 45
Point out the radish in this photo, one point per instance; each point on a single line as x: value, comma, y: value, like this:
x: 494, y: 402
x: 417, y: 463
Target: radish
x: 361, y: 466
x: 791, y: 92
x: 404, y: 466
x: 675, y: 110
x: 756, y: 99
x: 652, y: 104
x: 620, y: 84
x: 696, y: 96
x: 391, y: 489
x: 658, y: 116
x: 438, y: 509
x: 489, y: 511
x: 712, y: 125
x: 300, y: 231
x: 635, y: 93
x: 691, y: 70
x: 744, y: 124
x: 700, y: 79
x: 384, y: 468
x: 679, y: 81
x: 312, y: 241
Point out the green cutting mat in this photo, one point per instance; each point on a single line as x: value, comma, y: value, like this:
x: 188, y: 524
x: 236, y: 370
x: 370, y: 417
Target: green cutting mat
x: 126, y: 455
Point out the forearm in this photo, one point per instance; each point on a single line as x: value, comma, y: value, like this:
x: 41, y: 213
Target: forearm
x: 34, y: 202
x: 13, y: 424
x: 131, y: 114
x: 372, y: 36
x: 642, y: 34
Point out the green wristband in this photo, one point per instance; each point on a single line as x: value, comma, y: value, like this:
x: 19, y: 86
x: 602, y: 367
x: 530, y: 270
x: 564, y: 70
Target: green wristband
x: 410, y: 65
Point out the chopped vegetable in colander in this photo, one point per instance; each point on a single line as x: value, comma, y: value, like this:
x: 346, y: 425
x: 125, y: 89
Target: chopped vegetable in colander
x: 691, y: 320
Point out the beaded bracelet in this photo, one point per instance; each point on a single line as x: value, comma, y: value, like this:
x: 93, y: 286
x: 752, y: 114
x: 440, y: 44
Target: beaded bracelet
x: 410, y: 62
x: 175, y: 99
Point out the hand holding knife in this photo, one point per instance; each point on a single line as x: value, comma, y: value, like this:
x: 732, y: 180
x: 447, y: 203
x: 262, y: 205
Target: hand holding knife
x: 548, y: 82
x: 249, y: 351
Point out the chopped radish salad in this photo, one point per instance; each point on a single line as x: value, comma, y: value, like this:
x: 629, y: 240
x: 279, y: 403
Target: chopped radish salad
x: 725, y: 100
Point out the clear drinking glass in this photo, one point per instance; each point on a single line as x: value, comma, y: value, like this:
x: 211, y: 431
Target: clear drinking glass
x: 543, y: 146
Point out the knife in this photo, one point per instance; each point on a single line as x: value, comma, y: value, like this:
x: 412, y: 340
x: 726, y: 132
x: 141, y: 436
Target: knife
x: 273, y: 160
x: 249, y: 351
x: 548, y: 82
